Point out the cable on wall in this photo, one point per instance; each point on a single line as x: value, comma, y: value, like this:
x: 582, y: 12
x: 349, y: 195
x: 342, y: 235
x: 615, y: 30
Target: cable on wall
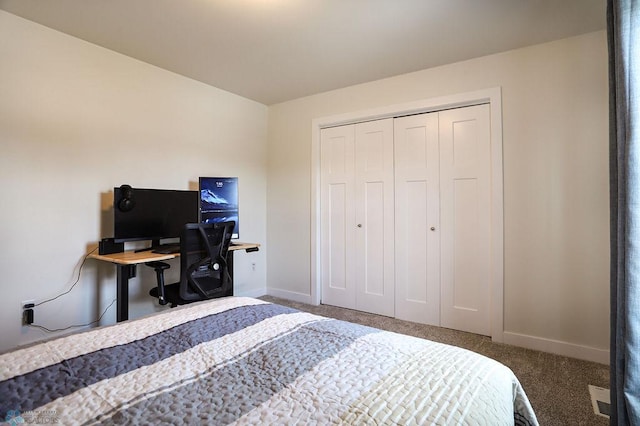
x: 48, y: 330
x: 73, y: 285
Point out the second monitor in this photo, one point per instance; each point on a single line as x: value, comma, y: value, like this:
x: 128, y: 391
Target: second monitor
x: 219, y: 201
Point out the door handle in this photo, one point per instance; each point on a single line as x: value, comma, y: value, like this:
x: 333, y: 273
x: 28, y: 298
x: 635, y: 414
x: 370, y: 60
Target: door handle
x: 433, y: 228
x: 359, y: 225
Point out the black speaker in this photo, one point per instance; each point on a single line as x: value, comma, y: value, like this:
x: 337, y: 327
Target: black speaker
x: 127, y: 202
x: 108, y: 246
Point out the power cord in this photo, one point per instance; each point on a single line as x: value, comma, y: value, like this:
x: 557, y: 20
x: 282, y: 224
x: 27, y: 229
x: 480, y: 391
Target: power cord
x: 67, y: 292
x: 48, y: 330
x: 73, y: 285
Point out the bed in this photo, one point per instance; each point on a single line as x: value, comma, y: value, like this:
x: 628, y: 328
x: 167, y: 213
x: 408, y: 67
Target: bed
x: 240, y: 360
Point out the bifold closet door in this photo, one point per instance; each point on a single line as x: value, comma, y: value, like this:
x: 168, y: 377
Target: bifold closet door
x: 443, y: 218
x: 465, y: 218
x: 357, y: 216
x: 375, y: 274
x: 417, y: 206
x: 337, y: 216
x: 406, y: 217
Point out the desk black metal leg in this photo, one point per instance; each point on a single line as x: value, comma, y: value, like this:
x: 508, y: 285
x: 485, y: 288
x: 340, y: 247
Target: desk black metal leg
x: 124, y: 272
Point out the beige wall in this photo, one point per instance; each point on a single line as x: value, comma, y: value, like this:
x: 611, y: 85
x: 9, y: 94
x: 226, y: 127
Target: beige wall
x: 77, y: 120
x: 556, y: 223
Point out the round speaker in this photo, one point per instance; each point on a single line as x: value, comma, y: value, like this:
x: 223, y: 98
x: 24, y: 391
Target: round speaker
x: 127, y: 202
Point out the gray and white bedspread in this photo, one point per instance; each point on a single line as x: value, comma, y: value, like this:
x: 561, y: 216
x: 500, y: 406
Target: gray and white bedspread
x: 244, y: 361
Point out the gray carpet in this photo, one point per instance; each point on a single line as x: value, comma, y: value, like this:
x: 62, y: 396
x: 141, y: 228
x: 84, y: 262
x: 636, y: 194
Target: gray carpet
x: 557, y: 386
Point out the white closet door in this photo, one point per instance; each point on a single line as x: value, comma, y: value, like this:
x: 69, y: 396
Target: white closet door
x: 374, y: 225
x: 337, y: 216
x: 417, y: 218
x: 465, y: 183
x: 406, y: 217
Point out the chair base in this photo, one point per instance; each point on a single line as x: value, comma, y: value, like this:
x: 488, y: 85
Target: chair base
x: 171, y: 295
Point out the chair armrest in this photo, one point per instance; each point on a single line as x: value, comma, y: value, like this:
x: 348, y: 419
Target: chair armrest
x: 158, y: 265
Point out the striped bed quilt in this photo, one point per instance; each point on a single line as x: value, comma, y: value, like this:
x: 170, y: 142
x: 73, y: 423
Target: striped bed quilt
x: 245, y: 361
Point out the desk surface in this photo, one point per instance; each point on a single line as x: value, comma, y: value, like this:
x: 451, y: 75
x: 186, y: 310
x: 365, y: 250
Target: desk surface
x: 131, y: 257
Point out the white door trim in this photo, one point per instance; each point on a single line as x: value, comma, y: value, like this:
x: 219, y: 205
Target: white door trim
x: 493, y: 96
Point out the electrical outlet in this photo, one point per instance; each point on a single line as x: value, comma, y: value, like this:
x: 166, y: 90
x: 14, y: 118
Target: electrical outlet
x: 253, y: 266
x: 27, y: 311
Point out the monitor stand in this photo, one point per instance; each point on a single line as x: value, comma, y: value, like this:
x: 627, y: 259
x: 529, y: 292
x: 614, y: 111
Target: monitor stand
x: 154, y: 245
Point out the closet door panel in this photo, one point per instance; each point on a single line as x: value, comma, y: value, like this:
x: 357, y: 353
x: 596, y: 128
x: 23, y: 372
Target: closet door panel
x: 337, y: 216
x: 374, y: 217
x: 466, y: 219
x: 417, y: 218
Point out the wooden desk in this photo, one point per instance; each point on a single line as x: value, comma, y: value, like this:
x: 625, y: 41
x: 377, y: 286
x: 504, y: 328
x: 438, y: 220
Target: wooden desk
x: 126, y: 268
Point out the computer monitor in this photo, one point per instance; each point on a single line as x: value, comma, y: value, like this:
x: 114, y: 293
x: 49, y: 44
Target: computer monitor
x: 219, y: 201
x: 152, y: 214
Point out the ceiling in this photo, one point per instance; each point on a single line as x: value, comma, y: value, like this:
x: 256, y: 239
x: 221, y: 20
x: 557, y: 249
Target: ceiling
x: 277, y: 50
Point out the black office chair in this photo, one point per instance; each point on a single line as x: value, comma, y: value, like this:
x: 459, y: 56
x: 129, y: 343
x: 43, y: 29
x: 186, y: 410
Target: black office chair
x: 203, y: 266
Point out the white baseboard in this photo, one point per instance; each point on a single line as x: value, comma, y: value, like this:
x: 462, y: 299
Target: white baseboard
x: 557, y: 347
x: 290, y: 295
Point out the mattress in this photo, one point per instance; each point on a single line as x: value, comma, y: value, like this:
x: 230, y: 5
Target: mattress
x: 245, y: 361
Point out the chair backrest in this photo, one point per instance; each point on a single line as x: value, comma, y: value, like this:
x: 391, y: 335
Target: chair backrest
x: 203, y: 268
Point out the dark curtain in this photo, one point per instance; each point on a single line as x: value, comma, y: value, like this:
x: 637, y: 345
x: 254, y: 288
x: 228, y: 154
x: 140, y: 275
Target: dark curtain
x: 623, y: 20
